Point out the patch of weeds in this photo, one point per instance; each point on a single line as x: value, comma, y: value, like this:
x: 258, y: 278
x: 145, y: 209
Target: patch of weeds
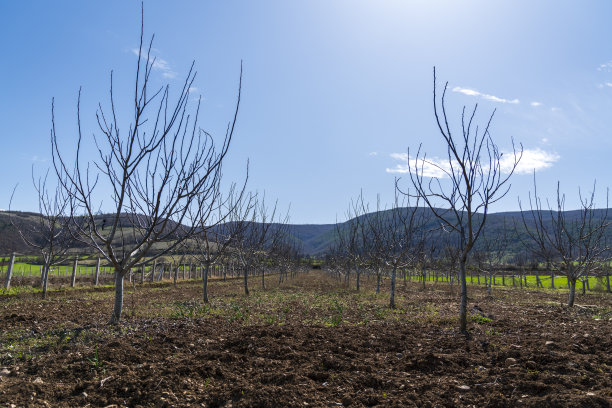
x: 337, y: 310
x: 270, y: 319
x: 479, y: 319
x: 603, y: 314
x: 238, y: 312
x: 190, y: 309
x: 381, y: 312
x: 95, y: 361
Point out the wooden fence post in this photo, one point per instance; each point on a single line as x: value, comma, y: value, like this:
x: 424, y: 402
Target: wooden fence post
x: 97, y: 275
x: 9, y: 273
x: 74, y: 271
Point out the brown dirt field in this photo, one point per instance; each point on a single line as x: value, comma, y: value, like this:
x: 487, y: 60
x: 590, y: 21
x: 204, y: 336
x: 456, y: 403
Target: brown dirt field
x: 307, y: 343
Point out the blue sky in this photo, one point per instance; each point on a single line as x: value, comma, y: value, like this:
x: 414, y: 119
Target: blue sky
x: 334, y: 92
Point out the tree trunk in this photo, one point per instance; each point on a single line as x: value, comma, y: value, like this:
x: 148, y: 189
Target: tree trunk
x: 263, y: 279
x: 118, y: 307
x: 552, y: 279
x: 153, y: 270
x: 97, y: 274
x: 142, y: 276
x: 392, y: 299
x: 572, y: 292
x: 74, y: 271
x: 45, y: 280
x: 246, y: 281
x: 608, y: 281
x: 205, y: 283
x: 489, y: 288
x: 9, y: 273
x: 358, y: 274
x: 463, y: 306
x: 378, y: 275
x: 424, y: 275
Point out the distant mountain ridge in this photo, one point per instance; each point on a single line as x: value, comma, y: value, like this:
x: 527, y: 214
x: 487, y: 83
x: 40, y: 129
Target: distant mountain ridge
x: 313, y: 239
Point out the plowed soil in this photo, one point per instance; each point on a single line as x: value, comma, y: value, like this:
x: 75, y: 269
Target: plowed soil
x: 308, y: 342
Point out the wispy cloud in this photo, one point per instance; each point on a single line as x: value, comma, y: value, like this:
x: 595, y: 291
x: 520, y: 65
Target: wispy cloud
x: 532, y: 159
x: 159, y: 64
x: 536, y: 104
x: 492, y: 98
x: 605, y: 67
x: 37, y: 159
x: 433, y: 167
x: 373, y: 154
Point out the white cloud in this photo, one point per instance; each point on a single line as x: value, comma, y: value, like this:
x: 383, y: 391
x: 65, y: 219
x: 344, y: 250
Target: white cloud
x: 373, y: 154
x: 493, y: 98
x: 532, y: 159
x: 37, y: 159
x: 605, y: 67
x: 159, y: 64
x: 429, y: 167
x: 536, y: 104
x: 555, y: 109
x: 608, y: 84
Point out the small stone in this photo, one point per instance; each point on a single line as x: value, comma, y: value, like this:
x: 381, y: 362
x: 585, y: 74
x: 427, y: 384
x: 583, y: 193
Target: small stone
x: 38, y: 380
x: 550, y: 343
x: 325, y: 384
x: 532, y: 365
x: 399, y: 355
x: 590, y: 394
x: 510, y: 361
x: 463, y: 387
x: 4, y: 373
x: 84, y: 394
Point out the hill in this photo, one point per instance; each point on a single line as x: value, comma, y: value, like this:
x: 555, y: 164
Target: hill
x: 317, y: 239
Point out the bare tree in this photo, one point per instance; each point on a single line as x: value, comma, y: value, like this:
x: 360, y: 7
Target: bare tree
x: 238, y: 228
x: 50, y: 235
x: 213, y: 239
x: 577, y: 240
x: 156, y: 168
x: 394, y: 235
x: 493, y: 249
x: 474, y: 170
x: 351, y: 238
